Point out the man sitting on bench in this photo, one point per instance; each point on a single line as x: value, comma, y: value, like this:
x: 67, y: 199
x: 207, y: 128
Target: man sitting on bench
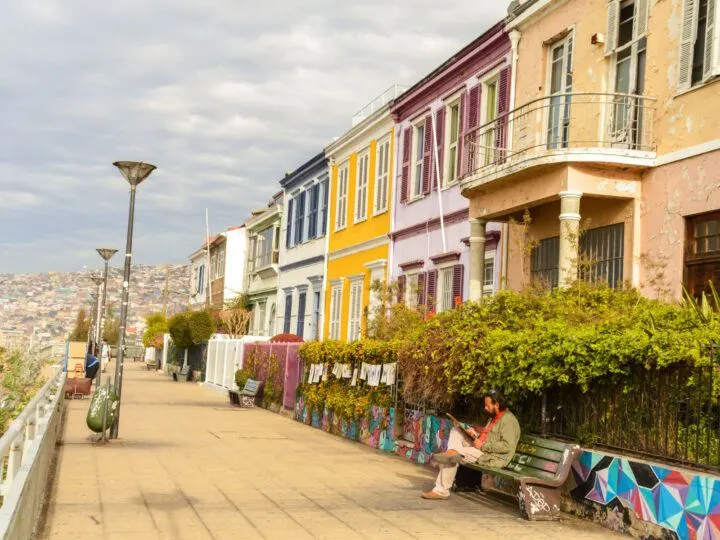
x: 91, y: 365
x: 494, y: 445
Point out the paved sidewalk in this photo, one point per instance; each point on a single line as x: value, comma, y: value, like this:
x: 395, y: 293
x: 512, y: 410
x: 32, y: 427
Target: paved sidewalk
x: 188, y: 466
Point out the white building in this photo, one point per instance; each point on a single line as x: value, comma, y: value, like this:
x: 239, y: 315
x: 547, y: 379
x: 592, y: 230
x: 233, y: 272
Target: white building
x: 302, y: 249
x: 198, y: 277
x: 236, y: 246
x: 263, y: 230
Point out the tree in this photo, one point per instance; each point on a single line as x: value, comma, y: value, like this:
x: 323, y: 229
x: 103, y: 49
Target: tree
x: 81, y: 328
x: 201, y: 325
x: 157, y: 326
x: 235, y: 321
x: 179, y: 328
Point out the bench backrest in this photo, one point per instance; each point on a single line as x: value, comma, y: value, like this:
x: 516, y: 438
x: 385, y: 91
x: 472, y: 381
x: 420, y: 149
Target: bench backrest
x: 251, y: 386
x: 185, y: 370
x: 543, y: 458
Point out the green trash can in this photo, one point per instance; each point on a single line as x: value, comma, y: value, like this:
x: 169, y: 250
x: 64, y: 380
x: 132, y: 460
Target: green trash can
x: 96, y: 412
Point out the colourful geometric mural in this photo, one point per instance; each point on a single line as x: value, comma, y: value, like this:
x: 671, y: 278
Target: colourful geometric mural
x: 423, y: 436
x: 684, y: 502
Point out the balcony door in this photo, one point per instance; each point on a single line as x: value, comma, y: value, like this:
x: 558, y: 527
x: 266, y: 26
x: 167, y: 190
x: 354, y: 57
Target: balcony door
x: 560, y: 88
x: 630, y: 59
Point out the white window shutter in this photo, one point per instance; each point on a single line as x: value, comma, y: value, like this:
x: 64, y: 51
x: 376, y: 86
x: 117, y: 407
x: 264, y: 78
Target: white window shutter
x: 711, y: 64
x: 641, y: 18
x: 613, y: 19
x: 687, y: 42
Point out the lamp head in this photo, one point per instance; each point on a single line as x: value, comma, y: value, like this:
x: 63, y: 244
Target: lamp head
x: 134, y: 171
x: 107, y: 253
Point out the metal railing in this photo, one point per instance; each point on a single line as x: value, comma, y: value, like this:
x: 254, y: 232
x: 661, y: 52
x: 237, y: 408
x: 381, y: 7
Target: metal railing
x: 559, y: 124
x: 26, y: 449
x: 670, y: 414
x: 378, y: 103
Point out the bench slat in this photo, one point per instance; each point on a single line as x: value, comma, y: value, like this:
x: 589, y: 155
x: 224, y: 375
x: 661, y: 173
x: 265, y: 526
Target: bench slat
x: 535, y: 463
x: 542, y: 453
x: 524, y: 470
x: 532, y: 440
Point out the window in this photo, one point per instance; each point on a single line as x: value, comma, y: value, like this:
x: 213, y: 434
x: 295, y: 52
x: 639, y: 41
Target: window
x: 335, y: 310
x: 355, y: 315
x: 603, y: 255
x: 264, y: 248
x: 200, y: 279
x: 453, y: 137
x: 289, y: 223
x: 418, y: 157
x: 382, y: 176
x: 342, y: 195
x: 271, y: 322
x: 445, y: 296
x: 491, y: 113
x: 377, y: 277
x: 312, y: 226
x: 288, y: 312
x: 545, y: 262
x: 361, y: 188
x: 699, y: 43
x: 213, y: 266
x: 560, y: 55
x: 324, y: 207
x: 411, y: 290
x: 489, y: 274
x: 300, y: 218
x: 221, y: 263
x: 316, y: 315
x: 702, y: 254
x: 301, y: 314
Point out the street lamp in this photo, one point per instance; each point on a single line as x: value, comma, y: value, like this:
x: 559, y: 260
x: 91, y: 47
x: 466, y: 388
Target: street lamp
x: 106, y: 254
x: 134, y: 172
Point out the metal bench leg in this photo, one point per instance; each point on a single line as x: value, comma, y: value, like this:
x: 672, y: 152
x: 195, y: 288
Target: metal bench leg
x: 539, y: 503
x: 247, y: 401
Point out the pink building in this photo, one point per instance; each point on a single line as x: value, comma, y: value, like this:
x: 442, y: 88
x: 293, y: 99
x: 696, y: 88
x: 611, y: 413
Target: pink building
x: 430, y: 231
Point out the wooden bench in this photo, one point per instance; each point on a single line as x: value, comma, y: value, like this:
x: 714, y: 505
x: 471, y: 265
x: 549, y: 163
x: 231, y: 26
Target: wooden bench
x: 182, y: 375
x: 539, y: 468
x: 246, y: 396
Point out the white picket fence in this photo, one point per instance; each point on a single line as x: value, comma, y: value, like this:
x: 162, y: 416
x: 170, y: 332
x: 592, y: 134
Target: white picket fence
x: 224, y: 357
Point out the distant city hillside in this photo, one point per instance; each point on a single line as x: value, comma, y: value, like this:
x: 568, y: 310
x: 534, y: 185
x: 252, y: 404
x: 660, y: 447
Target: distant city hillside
x: 45, y: 305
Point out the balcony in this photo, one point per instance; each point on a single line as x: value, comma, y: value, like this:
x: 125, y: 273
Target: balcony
x: 612, y: 129
x: 265, y: 263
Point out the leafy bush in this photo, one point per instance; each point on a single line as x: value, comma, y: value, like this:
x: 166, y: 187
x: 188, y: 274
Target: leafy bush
x: 241, y: 377
x: 179, y: 329
x: 201, y: 325
x: 157, y: 326
x: 286, y: 338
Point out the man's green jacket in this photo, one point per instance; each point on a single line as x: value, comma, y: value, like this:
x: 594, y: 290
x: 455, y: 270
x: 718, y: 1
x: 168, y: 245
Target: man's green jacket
x: 499, y: 447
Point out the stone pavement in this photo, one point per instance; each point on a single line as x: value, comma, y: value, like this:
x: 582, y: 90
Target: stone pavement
x: 187, y: 466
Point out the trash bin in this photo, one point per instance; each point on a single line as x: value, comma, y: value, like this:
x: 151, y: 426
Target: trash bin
x: 96, y: 412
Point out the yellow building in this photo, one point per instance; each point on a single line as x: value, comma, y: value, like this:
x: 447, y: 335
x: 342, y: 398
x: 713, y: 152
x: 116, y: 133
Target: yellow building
x: 361, y: 172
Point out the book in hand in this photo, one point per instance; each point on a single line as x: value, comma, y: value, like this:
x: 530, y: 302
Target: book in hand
x: 469, y: 431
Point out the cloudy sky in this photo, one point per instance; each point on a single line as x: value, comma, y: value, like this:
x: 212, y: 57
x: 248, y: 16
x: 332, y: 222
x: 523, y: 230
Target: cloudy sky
x: 224, y: 96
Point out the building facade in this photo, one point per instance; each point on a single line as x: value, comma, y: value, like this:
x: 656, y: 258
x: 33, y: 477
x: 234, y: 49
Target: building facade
x: 607, y: 146
x: 361, y: 190
x: 302, y: 249
x: 263, y: 233
x: 198, y: 277
x: 236, y: 254
x: 431, y: 228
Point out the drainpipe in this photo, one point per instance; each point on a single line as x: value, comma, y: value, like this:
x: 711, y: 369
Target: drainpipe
x: 391, y: 201
x: 514, y: 36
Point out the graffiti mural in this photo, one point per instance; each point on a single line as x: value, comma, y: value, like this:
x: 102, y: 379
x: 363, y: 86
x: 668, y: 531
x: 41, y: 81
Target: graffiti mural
x: 685, y: 502
x: 423, y: 436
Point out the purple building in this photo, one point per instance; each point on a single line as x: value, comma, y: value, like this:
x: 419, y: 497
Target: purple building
x: 431, y: 232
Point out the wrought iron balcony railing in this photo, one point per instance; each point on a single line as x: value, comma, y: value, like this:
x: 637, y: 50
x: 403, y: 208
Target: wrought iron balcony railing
x: 572, y: 123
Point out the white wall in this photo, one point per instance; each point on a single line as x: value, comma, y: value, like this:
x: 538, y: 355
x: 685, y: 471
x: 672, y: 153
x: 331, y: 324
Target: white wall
x: 198, y: 299
x: 235, y: 262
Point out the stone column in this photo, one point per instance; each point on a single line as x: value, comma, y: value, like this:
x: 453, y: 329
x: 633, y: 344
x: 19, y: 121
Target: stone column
x: 477, y: 259
x: 569, y: 236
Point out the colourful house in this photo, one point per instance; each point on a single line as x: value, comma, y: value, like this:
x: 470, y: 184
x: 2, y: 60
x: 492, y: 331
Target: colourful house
x: 431, y: 230
x: 361, y: 171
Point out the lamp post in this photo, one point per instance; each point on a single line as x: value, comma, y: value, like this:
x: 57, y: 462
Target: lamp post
x: 98, y: 281
x: 134, y: 172
x: 106, y: 254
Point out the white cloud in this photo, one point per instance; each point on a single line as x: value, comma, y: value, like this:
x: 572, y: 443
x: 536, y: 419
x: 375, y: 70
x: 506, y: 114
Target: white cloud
x: 225, y: 96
